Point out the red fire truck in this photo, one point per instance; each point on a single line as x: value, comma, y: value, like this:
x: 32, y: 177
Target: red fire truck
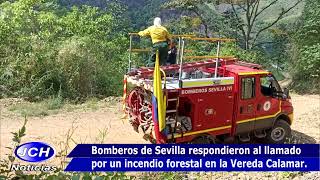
x: 217, y: 100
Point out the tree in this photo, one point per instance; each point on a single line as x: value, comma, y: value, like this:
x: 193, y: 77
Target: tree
x: 243, y: 14
x: 306, y: 49
x: 191, y: 6
x: 46, y: 49
x: 253, y: 10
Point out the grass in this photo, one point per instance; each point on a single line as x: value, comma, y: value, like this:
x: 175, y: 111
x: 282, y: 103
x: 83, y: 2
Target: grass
x: 43, y: 108
x: 92, y: 103
x: 290, y: 175
x: 6, y: 163
x: 51, y: 106
x: 301, y: 86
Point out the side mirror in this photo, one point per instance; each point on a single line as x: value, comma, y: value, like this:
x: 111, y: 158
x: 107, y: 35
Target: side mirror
x: 286, y: 92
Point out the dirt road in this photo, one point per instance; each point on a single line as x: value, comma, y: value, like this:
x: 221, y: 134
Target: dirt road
x: 104, y: 125
x: 83, y: 125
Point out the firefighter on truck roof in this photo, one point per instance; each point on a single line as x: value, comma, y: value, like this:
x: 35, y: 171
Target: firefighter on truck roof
x: 160, y: 38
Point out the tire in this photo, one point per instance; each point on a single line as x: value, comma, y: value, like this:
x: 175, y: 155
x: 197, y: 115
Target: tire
x: 279, y: 133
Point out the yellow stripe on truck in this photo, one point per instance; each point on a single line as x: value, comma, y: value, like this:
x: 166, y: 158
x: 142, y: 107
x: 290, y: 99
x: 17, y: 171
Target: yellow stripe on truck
x: 253, y: 73
x: 291, y: 118
x: 197, y: 83
x: 261, y: 117
x: 227, y: 81
x: 208, y: 82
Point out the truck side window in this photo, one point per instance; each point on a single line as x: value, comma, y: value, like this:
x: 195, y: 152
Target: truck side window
x: 269, y: 85
x: 247, y: 88
x: 265, y: 85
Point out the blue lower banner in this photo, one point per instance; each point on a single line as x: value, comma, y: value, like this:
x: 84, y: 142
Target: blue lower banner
x: 186, y: 157
x: 195, y: 150
x: 193, y: 164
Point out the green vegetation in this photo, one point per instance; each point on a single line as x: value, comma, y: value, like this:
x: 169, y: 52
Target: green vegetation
x: 10, y: 159
x: 78, y: 49
x: 46, y: 49
x: 281, y: 35
x: 306, y: 50
x: 55, y: 105
x: 290, y: 175
x: 43, y: 108
x: 5, y: 165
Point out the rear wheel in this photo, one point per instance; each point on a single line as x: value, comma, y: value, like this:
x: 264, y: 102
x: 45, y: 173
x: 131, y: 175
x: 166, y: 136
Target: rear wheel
x: 279, y: 133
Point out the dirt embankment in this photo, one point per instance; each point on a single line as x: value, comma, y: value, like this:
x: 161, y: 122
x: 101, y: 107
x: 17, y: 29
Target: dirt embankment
x: 103, y: 124
x: 306, y: 123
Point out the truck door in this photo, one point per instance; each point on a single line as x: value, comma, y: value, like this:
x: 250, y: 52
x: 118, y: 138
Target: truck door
x: 215, y: 108
x: 247, y: 103
x: 268, y: 106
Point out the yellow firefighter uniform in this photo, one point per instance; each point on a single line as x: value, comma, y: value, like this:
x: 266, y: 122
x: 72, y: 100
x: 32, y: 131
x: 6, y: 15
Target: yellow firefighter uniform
x: 160, y: 37
x: 157, y: 33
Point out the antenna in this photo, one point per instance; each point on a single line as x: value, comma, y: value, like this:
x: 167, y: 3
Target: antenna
x: 217, y: 61
x: 130, y: 53
x: 178, y: 52
x: 181, y: 60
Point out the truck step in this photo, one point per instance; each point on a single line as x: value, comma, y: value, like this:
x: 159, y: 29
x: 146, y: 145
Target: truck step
x: 260, y: 134
x: 171, y: 111
x: 229, y: 140
x: 244, y: 137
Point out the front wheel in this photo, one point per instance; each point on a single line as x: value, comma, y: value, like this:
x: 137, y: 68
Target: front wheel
x: 279, y: 133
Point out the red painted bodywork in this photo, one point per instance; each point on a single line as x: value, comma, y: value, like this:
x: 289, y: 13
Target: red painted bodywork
x: 210, y: 110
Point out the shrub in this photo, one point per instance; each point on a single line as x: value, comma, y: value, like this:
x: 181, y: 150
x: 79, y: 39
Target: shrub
x: 47, y: 49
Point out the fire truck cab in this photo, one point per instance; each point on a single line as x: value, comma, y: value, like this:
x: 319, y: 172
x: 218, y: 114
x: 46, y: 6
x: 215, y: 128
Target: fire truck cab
x: 213, y: 101
x: 248, y: 102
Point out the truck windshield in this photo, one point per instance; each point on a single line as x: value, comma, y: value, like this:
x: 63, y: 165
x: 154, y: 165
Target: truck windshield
x: 269, y: 85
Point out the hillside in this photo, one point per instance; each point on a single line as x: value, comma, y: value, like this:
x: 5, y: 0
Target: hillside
x: 100, y: 122
x: 47, y: 49
x: 140, y: 12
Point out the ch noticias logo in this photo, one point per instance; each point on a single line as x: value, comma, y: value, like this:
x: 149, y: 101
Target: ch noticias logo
x: 34, y: 152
